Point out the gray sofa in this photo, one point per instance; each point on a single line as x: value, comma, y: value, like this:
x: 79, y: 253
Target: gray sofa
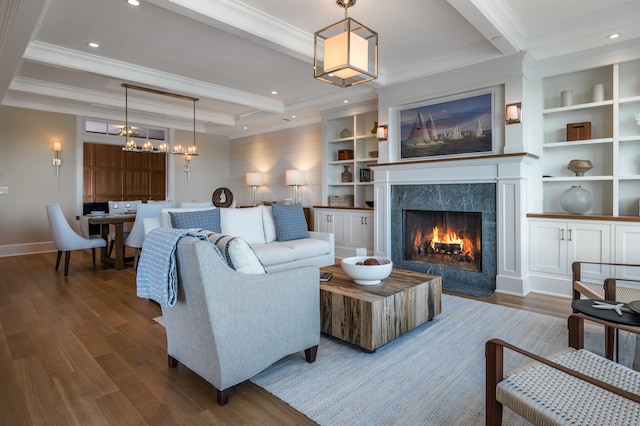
x: 227, y: 326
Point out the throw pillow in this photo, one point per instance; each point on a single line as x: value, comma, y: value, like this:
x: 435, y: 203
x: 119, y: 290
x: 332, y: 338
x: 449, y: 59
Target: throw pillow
x: 244, y: 223
x: 204, y: 219
x: 290, y: 222
x: 237, y: 252
x: 269, y: 225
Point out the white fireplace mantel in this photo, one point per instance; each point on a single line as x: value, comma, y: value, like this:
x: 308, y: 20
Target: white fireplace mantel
x: 511, y: 174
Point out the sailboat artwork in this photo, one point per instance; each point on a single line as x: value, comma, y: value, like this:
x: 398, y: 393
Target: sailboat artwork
x: 455, y: 127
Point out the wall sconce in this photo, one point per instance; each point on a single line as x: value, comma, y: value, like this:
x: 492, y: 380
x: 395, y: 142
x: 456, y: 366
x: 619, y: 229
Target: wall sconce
x: 294, y: 178
x: 187, y: 165
x: 57, y: 161
x: 382, y: 133
x: 254, y: 179
x: 514, y: 113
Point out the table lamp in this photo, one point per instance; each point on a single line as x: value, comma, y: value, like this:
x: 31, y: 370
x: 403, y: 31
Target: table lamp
x: 294, y: 178
x: 254, y: 179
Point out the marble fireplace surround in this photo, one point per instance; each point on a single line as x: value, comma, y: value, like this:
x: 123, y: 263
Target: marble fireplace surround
x: 509, y: 172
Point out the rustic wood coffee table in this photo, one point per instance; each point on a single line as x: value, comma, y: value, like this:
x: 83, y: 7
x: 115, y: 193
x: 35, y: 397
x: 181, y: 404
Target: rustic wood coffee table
x: 371, y: 316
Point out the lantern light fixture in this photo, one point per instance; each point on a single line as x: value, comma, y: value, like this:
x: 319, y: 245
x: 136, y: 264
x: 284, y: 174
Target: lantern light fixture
x: 345, y: 53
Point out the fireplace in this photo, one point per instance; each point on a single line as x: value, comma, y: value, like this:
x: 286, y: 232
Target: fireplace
x: 497, y: 186
x: 464, y: 212
x: 444, y: 238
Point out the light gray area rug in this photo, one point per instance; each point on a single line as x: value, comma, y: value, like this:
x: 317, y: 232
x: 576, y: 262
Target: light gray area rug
x: 433, y: 375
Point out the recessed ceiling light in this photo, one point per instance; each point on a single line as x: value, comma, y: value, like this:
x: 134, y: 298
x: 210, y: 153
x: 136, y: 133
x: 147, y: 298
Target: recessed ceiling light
x: 346, y: 101
x: 274, y: 92
x: 612, y: 36
x: 93, y: 44
x: 133, y: 2
x: 293, y: 116
x: 245, y: 127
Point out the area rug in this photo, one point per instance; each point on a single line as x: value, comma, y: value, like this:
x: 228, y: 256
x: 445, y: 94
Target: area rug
x: 433, y: 375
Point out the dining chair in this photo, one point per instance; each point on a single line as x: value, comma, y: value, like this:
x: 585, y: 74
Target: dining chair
x: 122, y: 207
x: 136, y: 236
x: 66, y: 239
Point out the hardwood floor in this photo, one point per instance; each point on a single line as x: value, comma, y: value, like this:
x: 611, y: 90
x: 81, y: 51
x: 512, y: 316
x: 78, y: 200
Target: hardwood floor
x: 84, y: 349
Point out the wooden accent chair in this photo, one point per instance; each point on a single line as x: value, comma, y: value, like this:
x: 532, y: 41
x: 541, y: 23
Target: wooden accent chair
x: 606, y: 290
x: 574, y: 386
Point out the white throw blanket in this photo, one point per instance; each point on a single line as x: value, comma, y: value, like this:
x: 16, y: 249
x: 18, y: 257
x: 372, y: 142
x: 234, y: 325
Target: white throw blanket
x: 157, y: 277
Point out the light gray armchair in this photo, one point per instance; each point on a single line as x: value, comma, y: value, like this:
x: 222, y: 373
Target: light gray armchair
x: 227, y: 327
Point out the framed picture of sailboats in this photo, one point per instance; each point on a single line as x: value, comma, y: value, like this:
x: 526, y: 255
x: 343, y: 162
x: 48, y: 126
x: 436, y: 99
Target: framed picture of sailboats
x: 458, y: 125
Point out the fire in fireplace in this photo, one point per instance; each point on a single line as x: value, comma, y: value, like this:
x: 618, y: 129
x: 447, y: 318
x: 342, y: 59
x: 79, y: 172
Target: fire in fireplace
x: 443, y: 238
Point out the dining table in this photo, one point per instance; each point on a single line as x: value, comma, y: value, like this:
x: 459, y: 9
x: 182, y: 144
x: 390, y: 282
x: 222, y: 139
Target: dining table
x: 117, y: 220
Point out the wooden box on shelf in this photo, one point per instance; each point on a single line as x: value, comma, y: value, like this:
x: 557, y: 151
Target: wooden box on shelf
x: 579, y: 131
x: 345, y: 154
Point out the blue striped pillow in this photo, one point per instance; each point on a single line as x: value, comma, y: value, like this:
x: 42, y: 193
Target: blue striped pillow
x: 290, y: 222
x: 236, y: 252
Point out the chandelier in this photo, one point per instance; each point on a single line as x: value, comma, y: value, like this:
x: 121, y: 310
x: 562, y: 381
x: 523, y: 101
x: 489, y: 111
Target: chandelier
x: 345, y: 53
x: 129, y: 132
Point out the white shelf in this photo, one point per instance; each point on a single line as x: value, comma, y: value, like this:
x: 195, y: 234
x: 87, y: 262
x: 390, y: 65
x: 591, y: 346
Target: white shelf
x: 359, y: 120
x: 615, y: 178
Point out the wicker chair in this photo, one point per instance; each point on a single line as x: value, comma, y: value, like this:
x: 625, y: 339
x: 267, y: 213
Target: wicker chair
x: 572, y: 387
x: 607, y: 290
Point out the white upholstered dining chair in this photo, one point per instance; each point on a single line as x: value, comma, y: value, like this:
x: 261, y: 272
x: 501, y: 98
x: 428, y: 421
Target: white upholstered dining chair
x: 66, y: 239
x: 137, y: 234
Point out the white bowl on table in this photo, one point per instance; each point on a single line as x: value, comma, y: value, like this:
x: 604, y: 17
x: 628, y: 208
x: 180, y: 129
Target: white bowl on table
x: 366, y: 274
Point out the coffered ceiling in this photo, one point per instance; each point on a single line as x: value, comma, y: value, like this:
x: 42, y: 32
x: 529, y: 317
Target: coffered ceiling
x: 233, y: 54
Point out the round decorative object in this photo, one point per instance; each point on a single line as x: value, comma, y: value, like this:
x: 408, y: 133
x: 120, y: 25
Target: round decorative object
x: 222, y: 197
x: 576, y: 200
x: 367, y: 274
x: 580, y: 167
x: 345, y: 133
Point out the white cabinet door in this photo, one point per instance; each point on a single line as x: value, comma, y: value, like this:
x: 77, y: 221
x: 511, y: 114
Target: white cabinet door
x: 555, y: 245
x: 548, y: 247
x: 361, y: 230
x: 627, y: 250
x: 590, y: 242
x: 332, y: 221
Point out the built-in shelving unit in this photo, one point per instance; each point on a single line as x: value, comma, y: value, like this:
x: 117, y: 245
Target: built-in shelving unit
x: 614, y: 146
x: 351, y: 130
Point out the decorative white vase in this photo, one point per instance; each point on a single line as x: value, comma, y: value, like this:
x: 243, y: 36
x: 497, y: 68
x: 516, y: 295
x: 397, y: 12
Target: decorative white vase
x: 597, y: 92
x: 566, y: 98
x: 576, y: 200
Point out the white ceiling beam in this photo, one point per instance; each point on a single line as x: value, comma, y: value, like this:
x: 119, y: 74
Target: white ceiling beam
x: 240, y: 19
x: 19, y: 21
x: 495, y: 20
x: 82, y: 61
x: 108, y: 100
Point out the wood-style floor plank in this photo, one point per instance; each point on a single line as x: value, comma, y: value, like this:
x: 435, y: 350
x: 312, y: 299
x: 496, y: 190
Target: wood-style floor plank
x: 84, y: 349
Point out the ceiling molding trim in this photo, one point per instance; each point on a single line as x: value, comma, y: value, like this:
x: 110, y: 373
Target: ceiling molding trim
x: 82, y: 61
x: 239, y: 18
x: 103, y: 99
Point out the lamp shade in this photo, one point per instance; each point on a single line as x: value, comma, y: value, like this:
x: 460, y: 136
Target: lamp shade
x: 294, y: 177
x: 254, y: 179
x: 512, y: 112
x: 57, y: 146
